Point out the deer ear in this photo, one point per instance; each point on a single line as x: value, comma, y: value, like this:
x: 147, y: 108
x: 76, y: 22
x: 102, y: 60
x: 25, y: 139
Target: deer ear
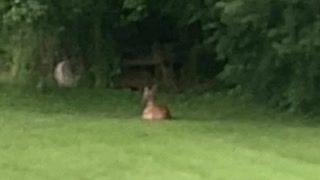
x: 145, y: 90
x: 154, y: 88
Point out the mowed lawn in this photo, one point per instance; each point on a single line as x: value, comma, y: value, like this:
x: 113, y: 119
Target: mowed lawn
x: 98, y: 135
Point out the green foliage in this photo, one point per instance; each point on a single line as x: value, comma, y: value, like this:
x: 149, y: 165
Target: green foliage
x: 82, y: 28
x: 272, y: 48
x: 23, y: 13
x: 22, y: 22
x: 137, y: 8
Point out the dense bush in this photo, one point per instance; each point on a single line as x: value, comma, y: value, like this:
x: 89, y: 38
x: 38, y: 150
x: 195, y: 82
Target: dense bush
x: 272, y: 48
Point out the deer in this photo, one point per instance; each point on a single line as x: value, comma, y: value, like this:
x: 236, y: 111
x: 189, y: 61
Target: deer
x: 152, y: 110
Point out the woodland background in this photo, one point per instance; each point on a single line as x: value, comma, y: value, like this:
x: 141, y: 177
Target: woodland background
x: 267, y: 48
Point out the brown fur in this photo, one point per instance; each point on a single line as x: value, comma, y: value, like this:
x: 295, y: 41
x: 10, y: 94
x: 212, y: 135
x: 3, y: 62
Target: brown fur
x: 153, y: 110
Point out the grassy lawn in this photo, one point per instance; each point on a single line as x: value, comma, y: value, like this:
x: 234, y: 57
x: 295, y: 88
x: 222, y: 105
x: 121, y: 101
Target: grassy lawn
x: 98, y: 135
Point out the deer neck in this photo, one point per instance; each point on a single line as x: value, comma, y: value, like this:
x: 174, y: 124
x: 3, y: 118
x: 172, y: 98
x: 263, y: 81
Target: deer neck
x: 150, y: 102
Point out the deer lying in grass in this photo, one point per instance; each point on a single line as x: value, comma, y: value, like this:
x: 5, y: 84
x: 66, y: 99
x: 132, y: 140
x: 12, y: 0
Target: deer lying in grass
x: 63, y: 74
x: 153, y: 110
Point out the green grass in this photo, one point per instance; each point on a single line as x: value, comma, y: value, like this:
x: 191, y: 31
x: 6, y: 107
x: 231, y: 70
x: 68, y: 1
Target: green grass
x: 98, y: 135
